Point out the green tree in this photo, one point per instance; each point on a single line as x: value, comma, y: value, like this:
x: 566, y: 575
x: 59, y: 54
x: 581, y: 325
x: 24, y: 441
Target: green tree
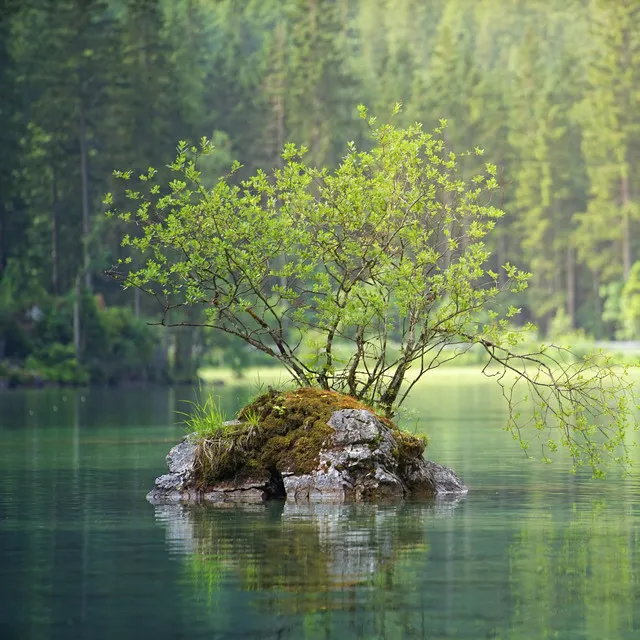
x: 370, y: 254
x: 392, y: 47
x: 611, y: 140
x: 549, y: 184
x: 630, y: 305
x: 12, y: 224
x: 321, y: 92
x: 66, y: 52
x: 446, y: 88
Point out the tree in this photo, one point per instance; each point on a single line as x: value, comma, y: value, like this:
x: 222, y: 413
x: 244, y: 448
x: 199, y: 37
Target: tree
x: 548, y: 179
x: 66, y: 55
x: 630, y: 305
x: 321, y: 88
x: 448, y: 86
x: 12, y: 224
x: 611, y: 140
x: 370, y: 256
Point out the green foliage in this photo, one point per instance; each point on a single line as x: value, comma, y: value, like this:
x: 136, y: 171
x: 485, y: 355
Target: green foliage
x: 206, y: 419
x: 116, y: 346
x: 630, y: 305
x: 122, y: 348
x: 391, y: 242
x: 548, y: 88
x: 222, y: 447
x: 57, y: 363
x: 611, y: 135
x: 16, y: 343
x: 251, y: 417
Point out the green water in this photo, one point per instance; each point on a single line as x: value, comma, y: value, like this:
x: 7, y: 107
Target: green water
x: 531, y: 552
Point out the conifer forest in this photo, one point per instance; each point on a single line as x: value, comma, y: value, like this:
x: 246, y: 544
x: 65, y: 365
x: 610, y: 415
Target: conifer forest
x: 547, y: 90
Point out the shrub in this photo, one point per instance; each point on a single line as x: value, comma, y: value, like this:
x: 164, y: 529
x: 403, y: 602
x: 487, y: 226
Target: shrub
x: 389, y: 245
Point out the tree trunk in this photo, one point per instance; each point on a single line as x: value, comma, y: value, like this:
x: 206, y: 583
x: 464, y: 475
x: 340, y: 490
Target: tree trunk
x: 626, y: 233
x: 596, y: 296
x: 136, y: 302
x: 315, y: 137
x: 571, y: 286
x: 86, y: 225
x: 279, y: 90
x: 76, y: 317
x: 54, y: 235
x: 389, y: 397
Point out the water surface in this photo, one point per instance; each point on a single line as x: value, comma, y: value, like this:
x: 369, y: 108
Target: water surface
x: 531, y: 552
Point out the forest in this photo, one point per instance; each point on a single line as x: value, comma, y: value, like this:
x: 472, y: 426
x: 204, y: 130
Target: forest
x: 548, y: 90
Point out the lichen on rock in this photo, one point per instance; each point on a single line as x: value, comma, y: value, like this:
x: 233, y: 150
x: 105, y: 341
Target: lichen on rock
x: 307, y: 445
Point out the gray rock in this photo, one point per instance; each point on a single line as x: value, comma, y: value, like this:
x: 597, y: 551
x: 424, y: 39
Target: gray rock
x: 175, y: 486
x: 180, y: 458
x: 359, y: 464
x: 426, y: 478
x: 328, y: 485
x: 354, y: 426
x: 442, y: 479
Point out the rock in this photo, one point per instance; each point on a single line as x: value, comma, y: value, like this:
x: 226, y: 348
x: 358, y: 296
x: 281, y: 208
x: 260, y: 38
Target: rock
x: 358, y: 464
x: 180, y: 484
x: 362, y: 460
x: 441, y: 478
x: 181, y: 457
x: 175, y: 486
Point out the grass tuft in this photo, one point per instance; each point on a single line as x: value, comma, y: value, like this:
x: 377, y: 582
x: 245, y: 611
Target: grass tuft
x: 206, y: 419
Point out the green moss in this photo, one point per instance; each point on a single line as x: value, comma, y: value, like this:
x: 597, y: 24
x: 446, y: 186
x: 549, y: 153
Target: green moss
x: 410, y: 447
x: 284, y: 431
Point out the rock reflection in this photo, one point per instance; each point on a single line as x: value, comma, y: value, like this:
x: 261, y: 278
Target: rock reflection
x: 293, y: 547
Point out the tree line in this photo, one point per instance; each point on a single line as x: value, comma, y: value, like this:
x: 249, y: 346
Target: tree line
x: 549, y: 89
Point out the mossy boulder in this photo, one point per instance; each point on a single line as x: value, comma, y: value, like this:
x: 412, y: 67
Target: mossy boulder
x: 305, y: 445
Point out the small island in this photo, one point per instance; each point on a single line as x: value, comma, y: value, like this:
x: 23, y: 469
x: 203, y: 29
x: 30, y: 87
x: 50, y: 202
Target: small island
x: 305, y: 445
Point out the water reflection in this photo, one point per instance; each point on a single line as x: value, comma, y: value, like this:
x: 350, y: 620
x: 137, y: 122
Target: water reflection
x: 575, y: 574
x: 411, y: 570
x: 274, y: 545
x: 320, y: 570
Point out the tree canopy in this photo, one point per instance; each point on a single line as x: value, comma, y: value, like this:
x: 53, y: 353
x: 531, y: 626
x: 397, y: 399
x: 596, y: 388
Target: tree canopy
x: 385, y: 256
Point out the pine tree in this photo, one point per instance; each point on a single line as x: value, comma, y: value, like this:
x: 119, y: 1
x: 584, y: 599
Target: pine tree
x: 322, y: 94
x: 611, y: 140
x: 67, y: 54
x: 446, y: 87
x: 13, y: 222
x: 547, y: 178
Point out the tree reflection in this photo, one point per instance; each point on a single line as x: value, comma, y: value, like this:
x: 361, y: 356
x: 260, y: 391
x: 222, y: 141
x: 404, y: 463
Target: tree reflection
x: 317, y: 569
x: 575, y: 578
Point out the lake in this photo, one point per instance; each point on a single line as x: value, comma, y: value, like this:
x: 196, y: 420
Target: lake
x: 530, y: 552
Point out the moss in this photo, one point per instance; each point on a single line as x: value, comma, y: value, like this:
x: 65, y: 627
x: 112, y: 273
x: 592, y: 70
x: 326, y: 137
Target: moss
x: 294, y: 426
x: 288, y: 430
x: 410, y: 447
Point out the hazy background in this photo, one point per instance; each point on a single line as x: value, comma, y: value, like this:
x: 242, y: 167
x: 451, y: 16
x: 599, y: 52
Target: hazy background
x: 550, y: 89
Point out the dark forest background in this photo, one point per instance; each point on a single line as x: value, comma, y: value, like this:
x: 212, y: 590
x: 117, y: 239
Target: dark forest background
x: 550, y: 89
